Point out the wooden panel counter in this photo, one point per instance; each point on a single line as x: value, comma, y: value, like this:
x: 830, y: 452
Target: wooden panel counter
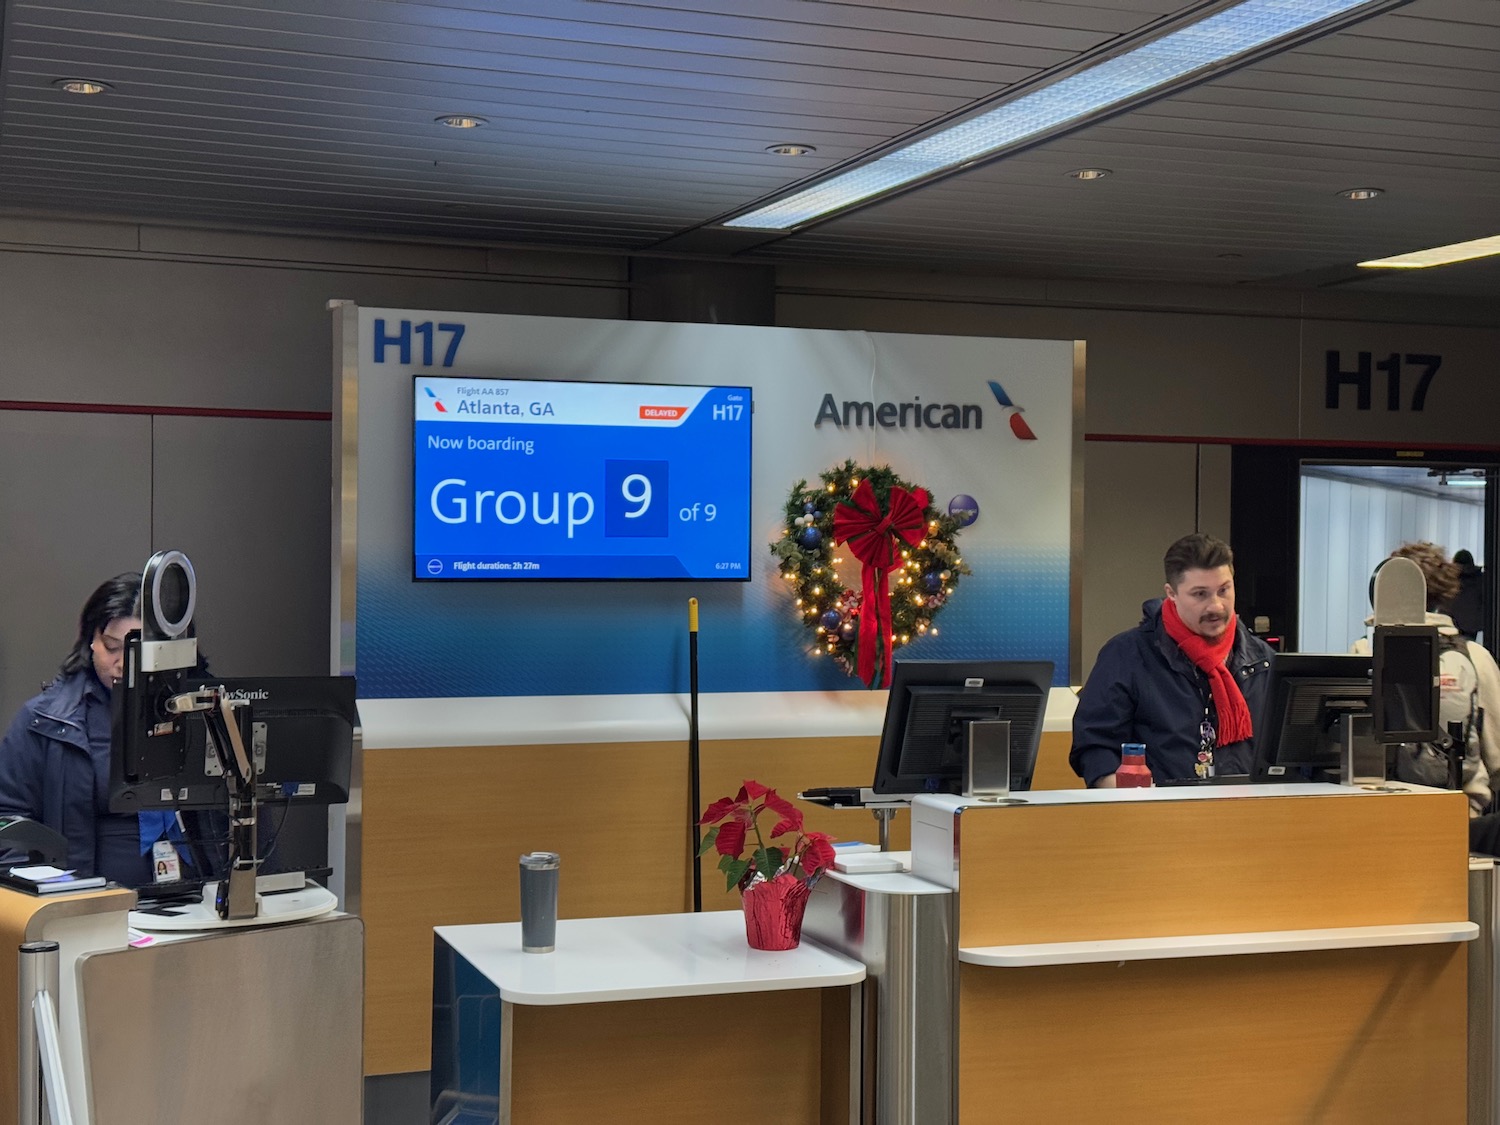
x: 1241, y: 953
x: 454, y: 790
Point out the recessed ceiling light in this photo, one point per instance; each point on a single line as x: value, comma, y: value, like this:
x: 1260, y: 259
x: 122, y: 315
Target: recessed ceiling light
x: 1220, y: 37
x: 462, y: 121
x: 1361, y: 192
x: 81, y: 86
x: 1438, y: 255
x: 1230, y: 256
x: 790, y: 150
x: 1089, y: 173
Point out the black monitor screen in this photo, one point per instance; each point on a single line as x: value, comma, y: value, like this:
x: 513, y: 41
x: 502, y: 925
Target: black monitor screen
x: 1298, y: 732
x: 1406, y: 683
x: 300, y: 731
x: 932, y: 703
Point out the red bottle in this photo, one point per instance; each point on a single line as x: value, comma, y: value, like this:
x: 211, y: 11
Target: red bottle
x: 1133, y: 772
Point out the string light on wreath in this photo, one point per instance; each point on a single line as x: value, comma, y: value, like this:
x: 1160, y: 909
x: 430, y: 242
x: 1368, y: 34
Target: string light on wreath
x: 922, y: 577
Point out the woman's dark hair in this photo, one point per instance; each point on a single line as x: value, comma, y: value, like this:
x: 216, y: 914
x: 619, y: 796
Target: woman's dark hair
x: 119, y: 597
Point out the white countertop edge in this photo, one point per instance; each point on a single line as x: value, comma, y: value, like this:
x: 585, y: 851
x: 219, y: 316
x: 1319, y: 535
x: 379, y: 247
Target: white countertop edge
x: 1216, y: 945
x: 735, y: 988
x: 532, y: 720
x: 946, y: 804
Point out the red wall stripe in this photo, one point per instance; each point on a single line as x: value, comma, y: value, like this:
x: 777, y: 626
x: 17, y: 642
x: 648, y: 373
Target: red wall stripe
x: 1312, y: 443
x: 179, y: 411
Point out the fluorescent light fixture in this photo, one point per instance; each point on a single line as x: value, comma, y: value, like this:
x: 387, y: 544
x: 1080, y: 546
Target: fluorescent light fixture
x: 1089, y: 173
x: 1228, y: 35
x: 1361, y: 193
x: 1438, y: 255
x: 1458, y: 478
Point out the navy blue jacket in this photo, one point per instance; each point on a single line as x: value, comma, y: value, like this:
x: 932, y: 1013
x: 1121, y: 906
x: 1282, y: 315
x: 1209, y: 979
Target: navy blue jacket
x: 50, y: 773
x: 1144, y: 689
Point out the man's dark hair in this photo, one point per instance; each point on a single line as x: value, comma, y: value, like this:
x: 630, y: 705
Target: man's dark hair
x: 1196, y: 552
x: 118, y: 597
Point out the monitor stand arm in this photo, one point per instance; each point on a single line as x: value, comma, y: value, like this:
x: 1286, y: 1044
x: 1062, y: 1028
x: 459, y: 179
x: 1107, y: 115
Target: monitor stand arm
x: 236, y: 895
x: 883, y: 815
x: 1361, y: 758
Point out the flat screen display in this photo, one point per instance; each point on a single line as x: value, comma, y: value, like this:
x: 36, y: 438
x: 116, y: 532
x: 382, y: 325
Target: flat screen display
x: 523, y: 479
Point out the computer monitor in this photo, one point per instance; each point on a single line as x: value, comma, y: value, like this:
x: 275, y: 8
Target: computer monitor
x: 1299, y: 733
x: 300, y: 731
x: 932, y: 702
x: 1405, y: 679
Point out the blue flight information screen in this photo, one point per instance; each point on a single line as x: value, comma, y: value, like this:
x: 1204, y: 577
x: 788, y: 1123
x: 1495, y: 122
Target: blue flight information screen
x: 516, y: 478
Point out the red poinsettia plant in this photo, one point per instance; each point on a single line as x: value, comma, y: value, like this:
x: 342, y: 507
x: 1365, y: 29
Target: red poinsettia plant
x: 736, y: 830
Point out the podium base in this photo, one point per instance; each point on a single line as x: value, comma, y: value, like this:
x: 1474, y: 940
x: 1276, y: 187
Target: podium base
x: 272, y: 908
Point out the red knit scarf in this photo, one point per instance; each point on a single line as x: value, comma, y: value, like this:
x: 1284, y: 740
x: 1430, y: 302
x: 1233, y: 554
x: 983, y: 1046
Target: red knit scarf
x: 1229, y: 701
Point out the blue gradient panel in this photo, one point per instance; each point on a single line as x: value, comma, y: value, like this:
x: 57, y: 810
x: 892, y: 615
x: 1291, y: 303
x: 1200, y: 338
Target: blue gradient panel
x: 465, y: 1073
x: 467, y: 639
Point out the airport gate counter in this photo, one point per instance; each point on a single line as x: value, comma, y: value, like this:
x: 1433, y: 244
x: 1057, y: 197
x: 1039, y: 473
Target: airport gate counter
x: 237, y: 1025
x: 1294, y: 952
x: 1254, y: 953
x: 1278, y: 951
x: 654, y: 1019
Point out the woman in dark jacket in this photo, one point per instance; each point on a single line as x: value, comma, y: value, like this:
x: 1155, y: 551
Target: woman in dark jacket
x: 54, y: 760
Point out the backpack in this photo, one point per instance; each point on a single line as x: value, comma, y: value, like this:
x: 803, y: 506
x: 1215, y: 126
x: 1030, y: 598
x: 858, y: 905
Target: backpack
x: 1426, y: 763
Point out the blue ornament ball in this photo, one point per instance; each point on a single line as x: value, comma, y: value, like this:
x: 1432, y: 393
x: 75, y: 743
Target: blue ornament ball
x: 964, y: 508
x: 933, y: 581
x: 830, y: 619
x: 811, y: 538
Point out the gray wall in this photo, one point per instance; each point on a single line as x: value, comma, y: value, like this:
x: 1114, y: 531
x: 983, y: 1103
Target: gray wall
x: 205, y: 331
x: 224, y: 339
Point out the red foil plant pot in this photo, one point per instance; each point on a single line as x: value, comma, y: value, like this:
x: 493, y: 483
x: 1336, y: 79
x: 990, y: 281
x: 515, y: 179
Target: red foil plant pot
x: 773, y: 912
x: 774, y: 879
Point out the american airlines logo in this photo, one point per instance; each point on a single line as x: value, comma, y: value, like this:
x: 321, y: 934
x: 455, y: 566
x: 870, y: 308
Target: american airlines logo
x: 918, y: 415
x: 1018, y: 424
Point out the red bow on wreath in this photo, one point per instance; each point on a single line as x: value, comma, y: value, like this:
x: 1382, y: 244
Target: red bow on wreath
x: 873, y: 536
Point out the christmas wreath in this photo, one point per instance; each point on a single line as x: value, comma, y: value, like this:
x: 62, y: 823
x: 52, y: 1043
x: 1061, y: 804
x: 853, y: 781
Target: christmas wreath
x: 908, y: 556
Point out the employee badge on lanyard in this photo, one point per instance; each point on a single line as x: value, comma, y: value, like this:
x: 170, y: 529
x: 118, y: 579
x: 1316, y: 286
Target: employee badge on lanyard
x: 1208, y: 738
x: 165, y: 865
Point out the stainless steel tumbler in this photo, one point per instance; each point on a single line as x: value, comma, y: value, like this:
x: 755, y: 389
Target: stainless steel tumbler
x: 539, y: 902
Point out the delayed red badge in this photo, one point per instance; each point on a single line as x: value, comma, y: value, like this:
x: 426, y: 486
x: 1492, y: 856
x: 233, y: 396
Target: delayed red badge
x: 663, y: 413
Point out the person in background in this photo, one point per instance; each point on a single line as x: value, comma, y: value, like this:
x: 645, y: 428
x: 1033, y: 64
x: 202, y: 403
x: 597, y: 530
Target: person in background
x: 54, y: 759
x: 1185, y: 682
x: 1467, y: 608
x: 1469, y: 692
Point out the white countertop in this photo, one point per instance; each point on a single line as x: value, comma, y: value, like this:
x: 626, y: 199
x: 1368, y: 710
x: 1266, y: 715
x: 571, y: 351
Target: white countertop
x: 1216, y: 945
x: 888, y: 882
x: 949, y: 804
x: 646, y: 957
x: 550, y: 720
